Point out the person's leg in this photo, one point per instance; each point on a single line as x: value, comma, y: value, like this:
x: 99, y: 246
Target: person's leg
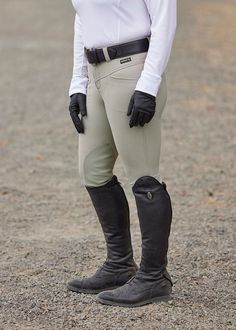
x: 139, y: 149
x: 97, y: 155
x: 96, y: 149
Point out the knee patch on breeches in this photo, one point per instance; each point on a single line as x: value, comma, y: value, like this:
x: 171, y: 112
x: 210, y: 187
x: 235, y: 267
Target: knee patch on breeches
x: 96, y: 168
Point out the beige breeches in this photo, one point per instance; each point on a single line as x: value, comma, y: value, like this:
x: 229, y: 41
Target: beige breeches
x: 107, y: 132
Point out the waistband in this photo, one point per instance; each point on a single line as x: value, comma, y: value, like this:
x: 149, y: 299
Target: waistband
x: 103, y: 69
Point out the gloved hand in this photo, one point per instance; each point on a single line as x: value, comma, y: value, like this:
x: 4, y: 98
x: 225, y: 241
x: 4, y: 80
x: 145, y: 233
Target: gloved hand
x: 141, y: 108
x: 78, y: 110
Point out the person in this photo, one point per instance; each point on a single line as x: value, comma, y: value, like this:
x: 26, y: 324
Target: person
x: 118, y: 93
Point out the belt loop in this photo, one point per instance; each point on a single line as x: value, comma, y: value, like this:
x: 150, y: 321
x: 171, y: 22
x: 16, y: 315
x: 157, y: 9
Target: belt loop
x: 106, y: 54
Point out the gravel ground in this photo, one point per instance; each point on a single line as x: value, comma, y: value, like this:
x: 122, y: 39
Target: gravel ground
x: 49, y: 231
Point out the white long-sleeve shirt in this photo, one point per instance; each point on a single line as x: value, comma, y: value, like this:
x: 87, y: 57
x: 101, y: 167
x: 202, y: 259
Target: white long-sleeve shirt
x: 103, y: 23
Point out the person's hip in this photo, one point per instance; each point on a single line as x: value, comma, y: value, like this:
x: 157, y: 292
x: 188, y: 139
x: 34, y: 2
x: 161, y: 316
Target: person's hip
x: 127, y: 67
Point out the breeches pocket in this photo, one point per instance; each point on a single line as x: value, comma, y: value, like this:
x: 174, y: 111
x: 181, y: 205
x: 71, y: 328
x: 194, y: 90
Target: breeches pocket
x: 127, y: 71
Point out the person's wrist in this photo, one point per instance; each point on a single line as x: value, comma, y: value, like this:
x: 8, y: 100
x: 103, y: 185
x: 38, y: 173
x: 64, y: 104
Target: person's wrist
x: 145, y: 94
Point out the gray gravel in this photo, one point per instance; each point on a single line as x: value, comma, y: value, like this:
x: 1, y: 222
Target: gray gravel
x: 49, y: 232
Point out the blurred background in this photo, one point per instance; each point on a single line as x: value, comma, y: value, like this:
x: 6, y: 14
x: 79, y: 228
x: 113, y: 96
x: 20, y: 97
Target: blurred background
x: 48, y: 230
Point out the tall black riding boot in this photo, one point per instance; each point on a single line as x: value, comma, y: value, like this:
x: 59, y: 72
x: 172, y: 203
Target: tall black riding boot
x: 152, y: 281
x: 112, y: 209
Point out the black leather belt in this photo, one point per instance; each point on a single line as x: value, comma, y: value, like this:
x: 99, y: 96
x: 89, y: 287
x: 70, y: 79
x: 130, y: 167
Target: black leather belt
x: 98, y: 55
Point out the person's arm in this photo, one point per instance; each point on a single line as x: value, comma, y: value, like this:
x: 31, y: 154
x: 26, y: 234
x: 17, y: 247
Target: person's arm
x: 79, y: 80
x: 163, y: 25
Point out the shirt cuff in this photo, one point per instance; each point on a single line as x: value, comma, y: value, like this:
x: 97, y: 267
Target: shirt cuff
x: 149, y: 83
x: 78, y: 87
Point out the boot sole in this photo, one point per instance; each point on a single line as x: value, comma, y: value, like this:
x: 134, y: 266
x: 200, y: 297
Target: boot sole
x: 78, y: 290
x: 138, y: 304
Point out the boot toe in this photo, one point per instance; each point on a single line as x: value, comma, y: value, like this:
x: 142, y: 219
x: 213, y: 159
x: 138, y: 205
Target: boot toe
x: 84, y: 285
x: 75, y: 285
x: 107, y: 297
x: 93, y: 285
x: 117, y: 298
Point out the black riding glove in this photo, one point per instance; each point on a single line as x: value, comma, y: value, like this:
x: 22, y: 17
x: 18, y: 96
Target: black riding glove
x: 78, y: 110
x: 141, y: 108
